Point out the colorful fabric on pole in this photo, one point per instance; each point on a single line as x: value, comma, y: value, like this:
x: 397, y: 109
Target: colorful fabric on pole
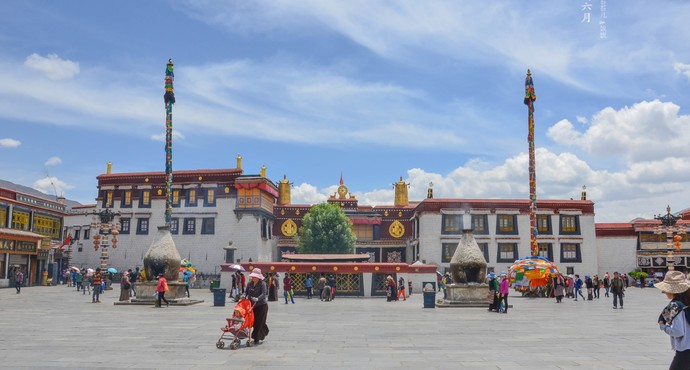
x: 533, y: 270
x: 530, y: 96
x: 169, y: 96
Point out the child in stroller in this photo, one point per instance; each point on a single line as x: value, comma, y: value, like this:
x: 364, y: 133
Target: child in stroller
x: 239, y: 326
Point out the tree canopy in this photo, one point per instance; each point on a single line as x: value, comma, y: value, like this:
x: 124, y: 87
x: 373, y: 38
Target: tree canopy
x: 325, y: 230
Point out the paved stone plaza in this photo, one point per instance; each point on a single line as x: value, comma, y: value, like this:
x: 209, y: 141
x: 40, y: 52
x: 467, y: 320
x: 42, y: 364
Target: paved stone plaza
x: 55, y: 327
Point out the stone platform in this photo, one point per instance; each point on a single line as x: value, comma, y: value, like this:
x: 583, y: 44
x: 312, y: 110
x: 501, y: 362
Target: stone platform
x: 465, y: 295
x: 176, y: 295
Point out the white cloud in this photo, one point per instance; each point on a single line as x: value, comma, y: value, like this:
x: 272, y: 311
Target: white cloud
x: 9, y: 143
x: 53, y: 161
x: 51, y: 185
x: 682, y: 69
x: 52, y: 66
x: 161, y: 137
x: 582, y: 119
x: 646, y: 131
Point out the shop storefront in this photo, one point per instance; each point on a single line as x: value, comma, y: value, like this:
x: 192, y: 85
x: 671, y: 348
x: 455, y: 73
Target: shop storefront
x: 19, y: 251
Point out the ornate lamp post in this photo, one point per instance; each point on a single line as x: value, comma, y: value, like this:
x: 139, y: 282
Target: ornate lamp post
x: 673, y: 242
x: 108, y: 230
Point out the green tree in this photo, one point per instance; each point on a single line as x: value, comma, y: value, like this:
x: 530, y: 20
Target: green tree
x: 325, y: 230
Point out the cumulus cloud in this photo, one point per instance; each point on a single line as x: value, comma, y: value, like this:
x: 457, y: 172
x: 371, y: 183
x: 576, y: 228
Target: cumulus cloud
x: 52, y: 66
x: 53, y: 161
x: 682, y: 69
x: 9, y: 143
x: 646, y: 131
x: 51, y: 185
x: 161, y: 137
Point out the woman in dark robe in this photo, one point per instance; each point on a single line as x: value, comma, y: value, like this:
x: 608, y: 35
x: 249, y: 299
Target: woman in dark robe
x: 257, y: 292
x: 271, y: 284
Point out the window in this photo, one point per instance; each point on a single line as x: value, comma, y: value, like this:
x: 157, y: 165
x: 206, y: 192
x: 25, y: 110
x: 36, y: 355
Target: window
x: 20, y: 220
x: 87, y: 234
x: 124, y: 225
x: 189, y: 226
x: 264, y: 229
x: 126, y: 201
x: 363, y: 232
x: 175, y: 198
x: 570, y: 252
x: 3, y: 216
x: 506, y: 224
x: 544, y: 224
x: 546, y: 251
x: 108, y: 199
x: 208, y: 225
x: 191, y: 197
x: 507, y: 252
x: 145, y: 200
x: 484, y: 247
x: 77, y: 233
x: 174, y: 225
x: 210, y: 200
x: 452, y: 224
x: 570, y: 224
x: 143, y: 226
x: 448, y: 249
x: 480, y: 224
x: 377, y: 232
x: 47, y: 226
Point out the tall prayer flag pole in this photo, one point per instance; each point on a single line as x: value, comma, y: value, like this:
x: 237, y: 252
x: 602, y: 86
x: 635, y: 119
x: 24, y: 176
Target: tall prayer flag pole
x: 530, y: 97
x: 169, y: 98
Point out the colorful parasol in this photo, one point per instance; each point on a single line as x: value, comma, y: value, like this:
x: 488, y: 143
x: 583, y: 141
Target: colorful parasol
x: 534, y: 269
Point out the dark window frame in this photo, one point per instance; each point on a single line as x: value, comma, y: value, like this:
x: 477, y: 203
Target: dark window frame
x: 125, y: 225
x: 484, y: 247
x: 578, y: 253
x: 485, y: 222
x: 123, y: 197
x: 174, y: 225
x: 141, y: 230
x: 499, y: 259
x: 87, y: 234
x: 186, y: 229
x: 174, y: 203
x: 206, y: 193
x: 205, y: 222
x: 192, y: 201
x: 549, y: 229
x: 141, y: 199
x: 450, y: 248
x: 446, y: 225
x: 577, y: 225
x: 549, y: 250
x: 513, y: 231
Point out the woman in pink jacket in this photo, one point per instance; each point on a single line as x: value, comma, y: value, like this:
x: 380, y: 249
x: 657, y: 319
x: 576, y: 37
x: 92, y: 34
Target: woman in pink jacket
x: 503, y: 291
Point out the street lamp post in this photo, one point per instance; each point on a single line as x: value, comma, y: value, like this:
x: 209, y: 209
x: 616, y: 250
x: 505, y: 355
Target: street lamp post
x: 673, y: 235
x: 108, y: 230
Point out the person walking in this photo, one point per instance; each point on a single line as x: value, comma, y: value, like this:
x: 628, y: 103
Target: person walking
x: 390, y: 289
x: 446, y: 280
x: 401, y: 289
x: 607, y: 284
x: 256, y: 291
x: 617, y: 289
x: 578, y: 287
x: 674, y: 318
x: 96, y: 282
x: 559, y: 288
x: 503, y: 291
x: 325, y: 288
x: 125, y: 286
x: 133, y: 278
x: 79, y: 278
x: 86, y: 282
x: 18, y: 280
x: 493, y: 292
x: 287, y: 288
x: 597, y: 285
x: 309, y: 284
x: 161, y: 288
x: 332, y: 283
x: 272, y: 287
x: 590, y: 286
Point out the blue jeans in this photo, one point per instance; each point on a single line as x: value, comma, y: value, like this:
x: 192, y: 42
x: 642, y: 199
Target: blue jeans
x: 286, y: 294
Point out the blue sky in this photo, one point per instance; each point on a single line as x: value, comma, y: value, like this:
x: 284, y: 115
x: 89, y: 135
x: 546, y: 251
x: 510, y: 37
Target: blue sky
x: 431, y: 91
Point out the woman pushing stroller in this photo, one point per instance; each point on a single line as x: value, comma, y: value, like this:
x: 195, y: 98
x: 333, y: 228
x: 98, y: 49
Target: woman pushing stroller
x: 257, y: 292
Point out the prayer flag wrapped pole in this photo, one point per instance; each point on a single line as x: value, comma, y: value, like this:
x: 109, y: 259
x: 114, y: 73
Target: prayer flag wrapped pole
x: 530, y: 97
x: 169, y: 99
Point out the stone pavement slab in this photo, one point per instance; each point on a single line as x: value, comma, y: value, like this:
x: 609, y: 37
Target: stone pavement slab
x: 56, y: 327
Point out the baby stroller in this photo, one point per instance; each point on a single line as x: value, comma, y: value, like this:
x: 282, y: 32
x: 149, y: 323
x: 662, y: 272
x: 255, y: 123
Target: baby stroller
x: 238, y: 329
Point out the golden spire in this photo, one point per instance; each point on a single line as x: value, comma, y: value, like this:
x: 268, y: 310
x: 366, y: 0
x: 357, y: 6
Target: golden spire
x: 239, y: 161
x: 109, y: 168
x: 284, y: 191
x: 401, y: 193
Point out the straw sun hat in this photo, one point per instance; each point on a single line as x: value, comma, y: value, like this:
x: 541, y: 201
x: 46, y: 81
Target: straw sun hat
x: 674, y: 283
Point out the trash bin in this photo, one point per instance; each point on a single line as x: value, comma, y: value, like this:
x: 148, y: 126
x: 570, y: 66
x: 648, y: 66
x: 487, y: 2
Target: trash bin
x: 429, y: 295
x: 219, y: 297
x: 215, y: 284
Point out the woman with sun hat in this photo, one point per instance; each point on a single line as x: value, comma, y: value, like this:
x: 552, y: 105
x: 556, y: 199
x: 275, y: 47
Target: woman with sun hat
x: 674, y: 318
x: 256, y: 291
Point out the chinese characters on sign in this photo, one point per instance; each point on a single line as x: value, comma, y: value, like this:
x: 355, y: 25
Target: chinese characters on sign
x: 586, y: 9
